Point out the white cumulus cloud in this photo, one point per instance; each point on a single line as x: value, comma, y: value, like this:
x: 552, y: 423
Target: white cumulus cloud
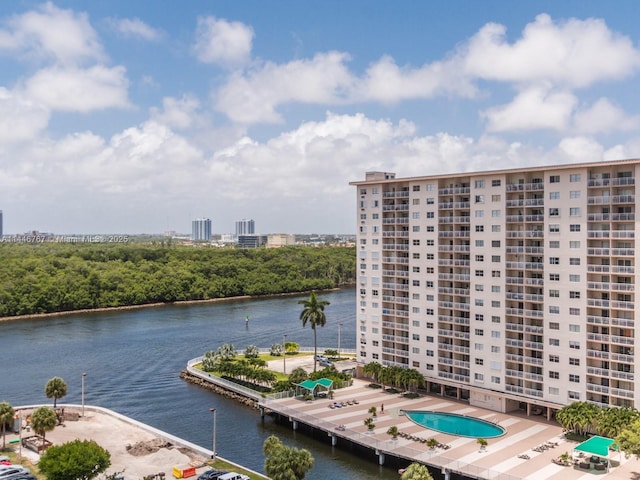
x: 222, y: 42
x: 533, y: 108
x: 572, y: 53
x: 134, y: 27
x: 51, y: 33
x: 79, y: 90
x: 20, y: 119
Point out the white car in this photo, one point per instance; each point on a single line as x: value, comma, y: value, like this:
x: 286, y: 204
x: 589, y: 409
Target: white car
x: 9, y: 470
x: 233, y: 476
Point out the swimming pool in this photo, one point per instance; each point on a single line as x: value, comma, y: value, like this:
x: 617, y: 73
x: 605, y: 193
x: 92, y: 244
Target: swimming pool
x: 455, y: 424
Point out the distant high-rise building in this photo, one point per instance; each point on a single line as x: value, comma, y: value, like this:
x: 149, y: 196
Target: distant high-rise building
x: 201, y: 230
x: 245, y: 227
x: 0, y: 223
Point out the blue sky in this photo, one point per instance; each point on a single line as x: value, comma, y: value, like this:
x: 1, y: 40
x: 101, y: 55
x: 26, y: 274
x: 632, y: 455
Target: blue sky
x: 138, y: 116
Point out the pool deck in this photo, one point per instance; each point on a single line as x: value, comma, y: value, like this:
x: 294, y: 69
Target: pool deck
x: 498, y: 461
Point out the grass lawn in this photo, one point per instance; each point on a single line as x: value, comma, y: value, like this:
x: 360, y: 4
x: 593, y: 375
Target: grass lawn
x: 229, y: 467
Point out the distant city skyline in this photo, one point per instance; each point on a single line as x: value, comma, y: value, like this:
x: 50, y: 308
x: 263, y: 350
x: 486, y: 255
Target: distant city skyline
x: 139, y: 116
x: 201, y: 230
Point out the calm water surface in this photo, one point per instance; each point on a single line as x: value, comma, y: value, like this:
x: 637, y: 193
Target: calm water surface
x: 133, y: 359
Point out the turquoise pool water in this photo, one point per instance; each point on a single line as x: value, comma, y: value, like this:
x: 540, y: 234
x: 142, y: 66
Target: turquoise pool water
x: 455, y: 424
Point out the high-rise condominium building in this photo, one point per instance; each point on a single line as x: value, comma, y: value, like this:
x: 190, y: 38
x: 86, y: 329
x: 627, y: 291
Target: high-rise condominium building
x: 508, y: 288
x: 1, y: 224
x: 245, y: 227
x: 201, y: 229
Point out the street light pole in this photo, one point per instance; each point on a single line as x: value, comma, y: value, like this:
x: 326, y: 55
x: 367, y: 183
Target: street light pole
x: 339, y: 328
x: 284, y: 353
x: 213, y: 456
x: 83, y: 375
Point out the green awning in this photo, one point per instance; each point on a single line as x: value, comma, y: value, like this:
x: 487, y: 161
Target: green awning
x: 311, y: 385
x: 596, y: 446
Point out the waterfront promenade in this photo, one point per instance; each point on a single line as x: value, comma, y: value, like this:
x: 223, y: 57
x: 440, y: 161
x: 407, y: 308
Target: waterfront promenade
x: 499, y: 461
x: 153, y: 451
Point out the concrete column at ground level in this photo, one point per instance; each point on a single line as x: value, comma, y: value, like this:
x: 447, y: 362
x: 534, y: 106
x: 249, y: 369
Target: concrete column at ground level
x: 295, y: 425
x: 334, y: 440
x: 262, y: 412
x: 380, y: 457
x: 442, y: 390
x: 458, y: 393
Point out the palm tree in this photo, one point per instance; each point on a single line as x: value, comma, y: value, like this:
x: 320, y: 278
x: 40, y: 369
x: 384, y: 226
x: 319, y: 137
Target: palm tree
x: 369, y: 423
x: 56, y: 388
x: 416, y: 471
x: 285, y: 463
x: 43, y: 420
x: 6, y: 415
x: 393, y: 431
x: 313, y: 313
x: 372, y: 369
x: 482, y: 442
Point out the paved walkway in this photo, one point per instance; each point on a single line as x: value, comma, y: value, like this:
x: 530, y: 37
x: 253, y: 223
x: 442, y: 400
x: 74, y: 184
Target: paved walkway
x: 499, y: 461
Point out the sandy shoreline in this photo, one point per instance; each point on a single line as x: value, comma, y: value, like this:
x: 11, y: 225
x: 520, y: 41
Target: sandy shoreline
x: 154, y: 305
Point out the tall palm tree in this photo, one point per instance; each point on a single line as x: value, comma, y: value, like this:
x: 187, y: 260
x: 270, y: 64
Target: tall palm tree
x: 416, y: 471
x: 6, y: 415
x: 56, y: 388
x: 313, y: 313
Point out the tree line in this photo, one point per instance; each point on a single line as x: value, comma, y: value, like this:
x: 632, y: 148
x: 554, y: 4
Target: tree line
x: 49, y: 277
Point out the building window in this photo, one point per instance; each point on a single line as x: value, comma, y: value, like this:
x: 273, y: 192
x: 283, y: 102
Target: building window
x: 573, y: 395
x: 574, y: 261
x: 574, y: 378
x: 554, y: 277
x: 495, y: 228
x: 430, y: 243
x: 554, y: 391
x: 495, y: 213
x: 479, y: 273
x: 415, y: 215
x: 495, y: 334
x: 415, y: 309
x: 574, y: 344
x: 495, y: 349
x: 479, y: 361
x: 430, y: 228
x: 415, y: 228
x: 574, y: 227
x: 554, y: 309
x: 431, y: 201
x: 479, y: 199
x: 554, y: 326
x: 416, y: 242
x: 430, y: 256
x: 554, y: 195
x: 574, y: 212
x: 429, y: 284
x: 554, y: 212
x: 479, y: 287
x: 479, y: 317
x: 554, y: 293
x: 554, y: 342
x: 479, y: 258
x: 554, y: 179
x: 495, y: 303
x: 495, y: 183
x: 554, y: 358
x: 429, y: 339
x: 415, y: 269
x: 416, y: 188
x: 495, y: 319
x: 554, y: 375
x: 495, y: 273
x: 554, y: 228
x: 415, y: 283
x: 495, y: 380
x: 573, y: 328
x: 479, y: 243
x: 574, y: 294
x: 430, y: 270
x: 478, y: 302
x: 479, y: 377
x: 574, y: 311
x: 429, y: 353
x: 415, y: 201
x: 479, y: 228
x: 429, y: 187
x: 554, y: 260
x: 478, y: 346
x: 478, y: 183
x: 429, y: 311
x: 574, y: 361
x: 554, y: 244
x: 495, y: 288
x: 574, y: 244
x: 574, y: 278
x: 431, y: 215
x: 479, y: 332
x: 574, y: 194
x: 574, y: 177
x: 496, y: 198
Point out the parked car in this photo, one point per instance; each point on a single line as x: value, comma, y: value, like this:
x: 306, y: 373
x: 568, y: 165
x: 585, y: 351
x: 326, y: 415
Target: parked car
x: 211, y: 474
x: 21, y: 476
x: 233, y: 476
x: 9, y: 470
x: 326, y: 363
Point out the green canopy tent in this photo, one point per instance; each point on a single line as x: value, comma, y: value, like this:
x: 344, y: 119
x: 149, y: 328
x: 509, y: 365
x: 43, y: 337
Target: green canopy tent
x: 323, y: 384
x: 597, y: 447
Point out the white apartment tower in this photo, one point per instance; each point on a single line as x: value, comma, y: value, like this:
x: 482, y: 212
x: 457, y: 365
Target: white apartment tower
x: 511, y: 288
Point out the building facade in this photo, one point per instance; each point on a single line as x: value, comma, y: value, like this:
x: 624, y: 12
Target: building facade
x: 1, y: 231
x: 276, y: 240
x: 506, y: 288
x: 201, y: 230
x: 245, y: 227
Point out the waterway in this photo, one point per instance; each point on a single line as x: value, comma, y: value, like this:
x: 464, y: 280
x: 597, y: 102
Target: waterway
x: 132, y: 359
